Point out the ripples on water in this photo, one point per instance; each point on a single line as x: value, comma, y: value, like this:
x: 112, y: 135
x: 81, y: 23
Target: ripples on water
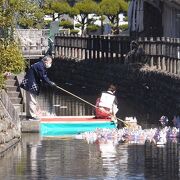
x: 68, y: 158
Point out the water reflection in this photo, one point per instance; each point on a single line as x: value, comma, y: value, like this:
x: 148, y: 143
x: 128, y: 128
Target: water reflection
x: 108, y: 154
x: 36, y: 158
x: 162, y: 161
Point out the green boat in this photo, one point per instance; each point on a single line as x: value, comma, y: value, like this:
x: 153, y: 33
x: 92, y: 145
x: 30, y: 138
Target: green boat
x: 71, y: 125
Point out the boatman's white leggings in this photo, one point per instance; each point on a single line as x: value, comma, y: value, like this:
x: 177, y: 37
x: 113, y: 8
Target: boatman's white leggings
x: 32, y: 104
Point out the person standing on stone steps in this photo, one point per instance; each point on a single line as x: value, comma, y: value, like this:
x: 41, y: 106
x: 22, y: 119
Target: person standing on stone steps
x: 35, y: 76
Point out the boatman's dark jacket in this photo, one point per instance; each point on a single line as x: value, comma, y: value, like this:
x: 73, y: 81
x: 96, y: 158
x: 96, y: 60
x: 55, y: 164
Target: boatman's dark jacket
x: 34, y: 77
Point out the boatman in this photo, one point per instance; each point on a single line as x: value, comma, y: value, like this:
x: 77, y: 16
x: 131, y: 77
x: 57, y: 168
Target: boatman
x: 106, y: 105
x: 35, y: 76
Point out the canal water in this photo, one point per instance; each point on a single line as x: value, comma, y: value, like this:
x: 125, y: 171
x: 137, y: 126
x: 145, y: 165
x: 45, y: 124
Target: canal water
x: 36, y: 157
x: 55, y: 159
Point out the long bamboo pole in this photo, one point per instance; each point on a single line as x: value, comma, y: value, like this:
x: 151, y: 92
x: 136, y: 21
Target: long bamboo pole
x: 58, y: 87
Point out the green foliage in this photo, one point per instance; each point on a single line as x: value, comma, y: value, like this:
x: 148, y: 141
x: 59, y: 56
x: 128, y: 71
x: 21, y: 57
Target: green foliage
x: 50, y: 7
x: 92, y: 28
x: 11, y: 58
x: 123, y: 27
x: 125, y: 18
x: 47, y: 7
x: 84, y: 8
x: 78, y: 25
x: 14, y: 12
x: 102, y: 18
x: 2, y: 80
x: 73, y: 12
x: 112, y: 8
x: 60, y: 7
x: 31, y: 17
x: 66, y: 24
x: 47, y: 23
x: 74, y: 31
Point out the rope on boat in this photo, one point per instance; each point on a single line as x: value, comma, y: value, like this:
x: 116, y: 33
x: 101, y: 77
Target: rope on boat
x: 126, y: 124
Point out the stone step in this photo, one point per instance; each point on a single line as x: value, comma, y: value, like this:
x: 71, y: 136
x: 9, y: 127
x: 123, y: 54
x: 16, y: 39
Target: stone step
x: 13, y: 94
x: 33, y: 52
x: 16, y: 100
x: 19, y: 108
x: 11, y: 77
x: 12, y: 88
x: 23, y: 116
x: 13, y: 91
x: 30, y: 126
x: 11, y: 82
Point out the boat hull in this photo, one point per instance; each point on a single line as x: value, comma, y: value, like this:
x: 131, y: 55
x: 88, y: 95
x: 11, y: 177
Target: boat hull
x: 72, y: 125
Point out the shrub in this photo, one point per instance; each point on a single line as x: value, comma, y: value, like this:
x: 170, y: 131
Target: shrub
x: 78, y: 25
x: 74, y: 31
x: 47, y: 23
x: 66, y: 24
x: 11, y: 60
x: 123, y: 27
x: 92, y: 28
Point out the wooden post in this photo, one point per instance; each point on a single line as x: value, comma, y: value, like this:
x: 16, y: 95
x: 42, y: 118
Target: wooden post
x: 174, y: 67
x: 83, y: 54
x: 78, y: 53
x: 97, y: 47
x: 103, y: 44
x: 72, y: 53
x: 56, y: 51
x: 167, y: 64
x: 117, y: 53
x: 107, y: 48
x: 90, y: 46
x: 120, y: 45
x: 79, y: 44
x: 158, y: 52
x: 163, y: 64
x: 146, y: 47
x: 94, y: 44
x: 85, y: 47
x: 159, y: 63
x: 163, y: 52
x: 151, y: 52
x: 86, y: 54
x: 178, y: 55
x: 171, y: 66
x: 178, y: 66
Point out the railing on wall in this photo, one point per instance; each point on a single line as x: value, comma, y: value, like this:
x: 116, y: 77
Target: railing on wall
x: 91, y: 47
x: 34, y: 42
x: 160, y: 53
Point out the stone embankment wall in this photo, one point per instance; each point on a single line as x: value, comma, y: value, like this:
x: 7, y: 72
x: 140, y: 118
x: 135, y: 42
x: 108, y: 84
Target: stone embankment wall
x: 9, y: 126
x: 150, y: 88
